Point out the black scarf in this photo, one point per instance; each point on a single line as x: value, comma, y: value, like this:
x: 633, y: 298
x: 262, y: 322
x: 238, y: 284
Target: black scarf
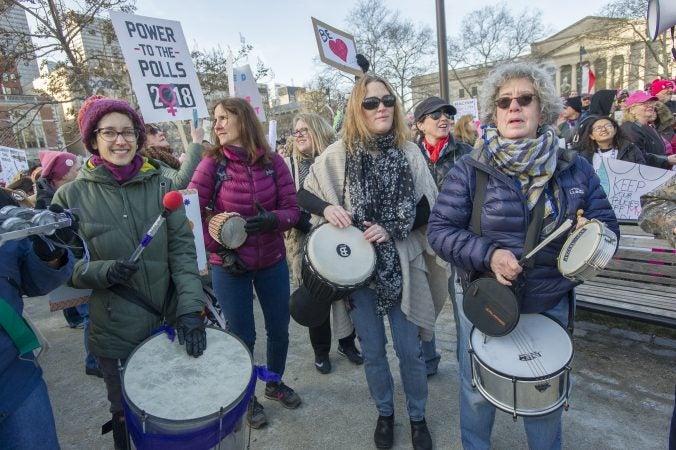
x: 381, y: 191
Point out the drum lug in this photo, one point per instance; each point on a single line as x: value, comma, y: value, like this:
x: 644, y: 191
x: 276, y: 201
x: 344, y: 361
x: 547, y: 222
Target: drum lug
x: 220, y: 426
x: 144, y: 417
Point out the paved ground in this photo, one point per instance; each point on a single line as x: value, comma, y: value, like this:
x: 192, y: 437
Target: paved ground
x: 622, y: 397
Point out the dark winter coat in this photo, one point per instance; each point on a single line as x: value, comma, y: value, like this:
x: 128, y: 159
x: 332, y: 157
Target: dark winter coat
x: 648, y: 140
x: 628, y: 152
x: 448, y: 156
x: 505, y: 219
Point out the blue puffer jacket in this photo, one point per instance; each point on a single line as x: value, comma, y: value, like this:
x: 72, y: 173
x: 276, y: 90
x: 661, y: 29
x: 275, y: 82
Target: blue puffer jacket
x: 21, y: 268
x: 505, y: 220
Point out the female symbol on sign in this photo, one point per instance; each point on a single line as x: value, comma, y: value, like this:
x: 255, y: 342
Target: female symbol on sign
x: 168, y: 100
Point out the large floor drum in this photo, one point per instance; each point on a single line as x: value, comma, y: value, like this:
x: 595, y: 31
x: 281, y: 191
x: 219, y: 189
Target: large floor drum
x: 172, y: 393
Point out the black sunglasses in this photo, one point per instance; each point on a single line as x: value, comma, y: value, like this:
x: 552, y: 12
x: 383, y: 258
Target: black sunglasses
x: 436, y: 115
x: 522, y: 100
x: 370, y: 103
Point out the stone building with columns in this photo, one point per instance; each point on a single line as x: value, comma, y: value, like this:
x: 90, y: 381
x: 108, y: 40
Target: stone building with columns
x: 615, y: 49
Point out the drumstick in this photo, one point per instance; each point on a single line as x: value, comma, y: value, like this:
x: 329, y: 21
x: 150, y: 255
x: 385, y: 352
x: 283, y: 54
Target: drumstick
x: 565, y: 226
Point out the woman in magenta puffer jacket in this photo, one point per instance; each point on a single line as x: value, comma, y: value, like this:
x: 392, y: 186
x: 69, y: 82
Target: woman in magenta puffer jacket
x: 256, y: 183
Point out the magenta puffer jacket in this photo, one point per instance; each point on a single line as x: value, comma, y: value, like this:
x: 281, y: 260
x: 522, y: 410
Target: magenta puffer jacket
x: 244, y: 184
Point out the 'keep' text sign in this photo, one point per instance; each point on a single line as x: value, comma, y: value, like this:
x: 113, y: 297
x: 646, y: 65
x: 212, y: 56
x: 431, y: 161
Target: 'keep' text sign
x: 162, y: 73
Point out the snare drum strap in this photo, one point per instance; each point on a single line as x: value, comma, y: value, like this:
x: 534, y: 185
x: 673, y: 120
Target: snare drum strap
x: 17, y: 329
x: 137, y: 298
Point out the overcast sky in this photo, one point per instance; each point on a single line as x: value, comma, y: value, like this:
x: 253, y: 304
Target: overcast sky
x: 281, y: 31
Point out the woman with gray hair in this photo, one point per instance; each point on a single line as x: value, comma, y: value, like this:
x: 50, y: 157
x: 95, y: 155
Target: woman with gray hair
x: 527, y: 178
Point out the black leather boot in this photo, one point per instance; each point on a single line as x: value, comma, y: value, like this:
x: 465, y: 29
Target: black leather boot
x: 384, y: 434
x: 420, y: 435
x: 120, y: 436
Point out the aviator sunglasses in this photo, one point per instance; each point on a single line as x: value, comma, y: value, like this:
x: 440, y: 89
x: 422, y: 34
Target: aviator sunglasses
x: 370, y: 103
x: 522, y: 100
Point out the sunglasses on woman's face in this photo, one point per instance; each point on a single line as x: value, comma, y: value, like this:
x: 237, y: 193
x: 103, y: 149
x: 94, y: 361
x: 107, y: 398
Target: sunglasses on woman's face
x: 436, y: 115
x: 371, y: 103
x: 522, y: 100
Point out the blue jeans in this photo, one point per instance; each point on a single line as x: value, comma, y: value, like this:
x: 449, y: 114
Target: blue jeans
x: 90, y: 361
x: 406, y: 340
x: 31, y: 425
x: 430, y: 355
x: 477, y: 414
x: 235, y: 295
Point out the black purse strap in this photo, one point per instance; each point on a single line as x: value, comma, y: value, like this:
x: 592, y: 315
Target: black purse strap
x: 537, y: 215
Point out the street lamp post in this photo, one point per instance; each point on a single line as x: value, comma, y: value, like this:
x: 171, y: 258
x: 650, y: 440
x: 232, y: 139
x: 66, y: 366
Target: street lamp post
x: 441, y: 48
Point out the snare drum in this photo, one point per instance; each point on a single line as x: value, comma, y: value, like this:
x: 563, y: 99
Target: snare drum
x: 587, y: 251
x: 525, y: 373
x: 336, y: 262
x: 173, y: 398
x: 227, y: 228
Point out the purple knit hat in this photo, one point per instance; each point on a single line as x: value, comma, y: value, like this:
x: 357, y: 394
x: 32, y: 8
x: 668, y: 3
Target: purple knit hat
x: 97, y: 106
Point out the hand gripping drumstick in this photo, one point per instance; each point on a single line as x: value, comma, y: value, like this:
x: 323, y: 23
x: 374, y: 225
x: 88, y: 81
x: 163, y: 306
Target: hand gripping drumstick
x: 171, y: 201
x: 565, y: 226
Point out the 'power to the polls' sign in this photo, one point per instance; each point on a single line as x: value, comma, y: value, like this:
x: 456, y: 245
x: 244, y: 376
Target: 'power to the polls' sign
x: 161, y: 70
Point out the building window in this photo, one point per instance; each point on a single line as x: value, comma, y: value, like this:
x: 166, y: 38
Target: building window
x: 600, y: 73
x: 617, y: 72
x: 565, y: 80
x: 461, y: 93
x: 30, y: 134
x: 474, y: 91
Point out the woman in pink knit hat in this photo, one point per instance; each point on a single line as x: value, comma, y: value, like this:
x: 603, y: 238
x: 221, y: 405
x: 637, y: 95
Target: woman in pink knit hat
x: 58, y: 168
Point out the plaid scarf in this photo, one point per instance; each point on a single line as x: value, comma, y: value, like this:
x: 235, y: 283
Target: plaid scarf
x: 532, y: 161
x: 381, y: 191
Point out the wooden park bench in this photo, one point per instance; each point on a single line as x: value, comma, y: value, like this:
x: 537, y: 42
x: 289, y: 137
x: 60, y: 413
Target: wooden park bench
x: 638, y: 283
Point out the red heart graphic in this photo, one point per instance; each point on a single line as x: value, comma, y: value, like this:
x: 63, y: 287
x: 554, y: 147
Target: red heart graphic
x: 339, y: 48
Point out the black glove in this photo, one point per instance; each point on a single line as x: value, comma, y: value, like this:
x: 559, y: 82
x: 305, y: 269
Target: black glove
x: 190, y: 330
x: 303, y: 223
x: 363, y: 62
x: 264, y: 221
x: 65, y: 235
x: 232, y: 262
x: 45, y: 248
x: 121, y: 271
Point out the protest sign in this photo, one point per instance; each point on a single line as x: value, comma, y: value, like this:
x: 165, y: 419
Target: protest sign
x: 160, y: 66
x: 192, y: 211
x: 66, y: 297
x: 625, y: 182
x: 336, y: 48
x: 466, y: 107
x: 245, y: 87
x: 12, y: 161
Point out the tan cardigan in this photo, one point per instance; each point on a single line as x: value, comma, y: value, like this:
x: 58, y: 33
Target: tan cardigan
x: 425, y: 287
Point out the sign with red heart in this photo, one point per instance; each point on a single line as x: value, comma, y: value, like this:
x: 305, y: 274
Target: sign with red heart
x: 336, y: 48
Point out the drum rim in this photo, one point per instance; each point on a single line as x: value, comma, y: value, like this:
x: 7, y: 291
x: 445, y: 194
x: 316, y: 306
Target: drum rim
x: 566, y: 366
x: 196, y: 420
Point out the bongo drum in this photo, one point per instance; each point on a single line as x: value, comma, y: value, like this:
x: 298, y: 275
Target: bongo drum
x: 336, y: 262
x: 227, y: 228
x: 525, y: 373
x: 587, y: 251
x: 178, y: 401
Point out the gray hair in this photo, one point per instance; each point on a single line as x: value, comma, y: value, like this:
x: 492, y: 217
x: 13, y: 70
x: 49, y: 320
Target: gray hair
x: 539, y: 75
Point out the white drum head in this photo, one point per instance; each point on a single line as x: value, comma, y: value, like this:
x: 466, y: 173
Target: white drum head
x: 341, y: 255
x: 579, y: 247
x: 161, y: 379
x: 537, y: 347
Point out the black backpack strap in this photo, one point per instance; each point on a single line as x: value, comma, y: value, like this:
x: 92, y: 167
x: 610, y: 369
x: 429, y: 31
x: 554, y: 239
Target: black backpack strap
x: 220, y: 177
x: 478, y: 200
x: 534, y: 229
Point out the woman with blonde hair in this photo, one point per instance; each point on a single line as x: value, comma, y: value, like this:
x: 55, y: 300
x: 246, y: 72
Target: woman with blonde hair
x: 311, y: 135
x: 375, y: 180
x: 465, y: 130
x: 257, y: 185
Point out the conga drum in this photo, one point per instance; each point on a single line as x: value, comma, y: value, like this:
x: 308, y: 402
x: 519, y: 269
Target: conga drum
x: 336, y: 262
x: 227, y: 228
x: 173, y: 400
